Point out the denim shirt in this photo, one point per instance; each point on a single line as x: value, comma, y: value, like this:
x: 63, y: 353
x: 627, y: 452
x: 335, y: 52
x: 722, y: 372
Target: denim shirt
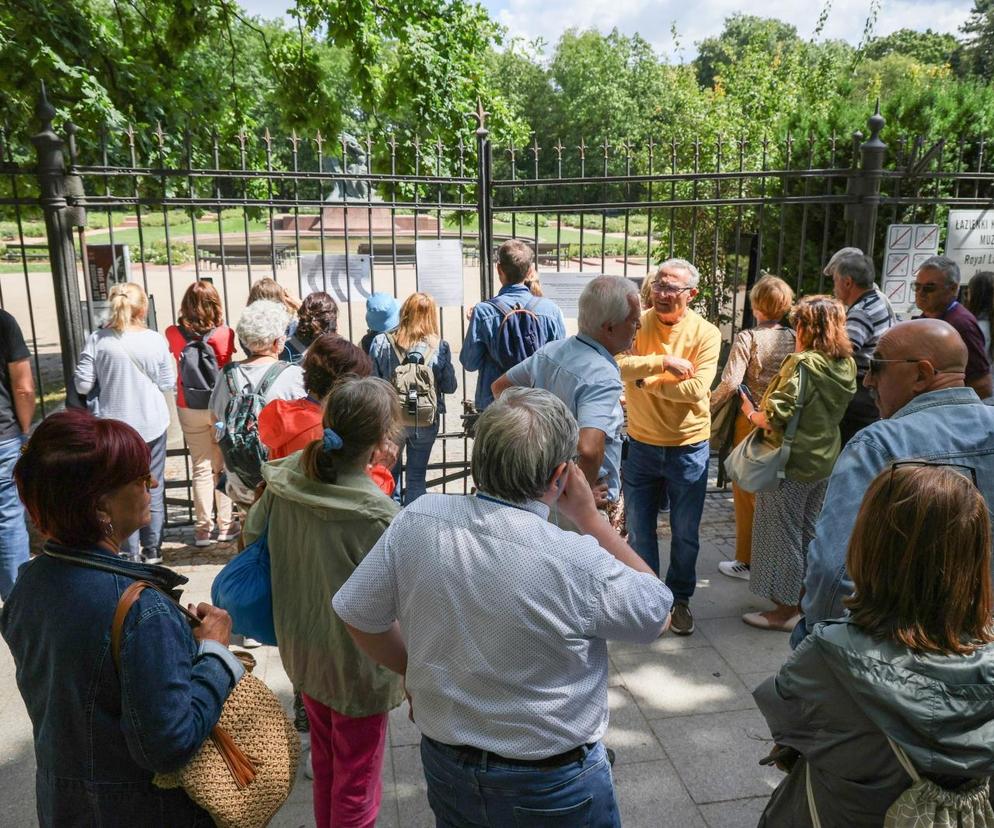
x: 583, y: 374
x: 950, y: 425
x: 99, y: 736
x: 478, y: 344
x: 385, y: 362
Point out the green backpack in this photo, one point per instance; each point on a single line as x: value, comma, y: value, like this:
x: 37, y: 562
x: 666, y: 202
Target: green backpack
x: 243, y: 451
x: 414, y: 381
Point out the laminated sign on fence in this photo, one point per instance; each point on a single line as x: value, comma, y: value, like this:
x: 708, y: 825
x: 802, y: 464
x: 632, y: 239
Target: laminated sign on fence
x: 439, y: 264
x: 346, y: 278
x: 908, y: 245
x: 564, y: 288
x: 970, y: 241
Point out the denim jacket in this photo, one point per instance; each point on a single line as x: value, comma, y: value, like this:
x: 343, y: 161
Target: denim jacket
x: 478, y: 344
x: 99, y: 736
x: 950, y: 425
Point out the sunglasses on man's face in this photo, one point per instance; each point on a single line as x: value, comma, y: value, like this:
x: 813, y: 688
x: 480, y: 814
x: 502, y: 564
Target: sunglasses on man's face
x: 924, y: 289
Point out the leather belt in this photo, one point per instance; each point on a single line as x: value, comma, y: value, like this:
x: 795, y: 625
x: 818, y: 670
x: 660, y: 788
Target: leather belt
x: 469, y: 754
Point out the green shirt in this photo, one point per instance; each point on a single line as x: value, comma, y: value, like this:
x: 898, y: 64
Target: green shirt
x: 318, y: 534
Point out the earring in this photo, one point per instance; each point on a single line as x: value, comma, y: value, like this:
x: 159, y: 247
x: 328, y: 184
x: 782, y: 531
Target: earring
x: 108, y: 528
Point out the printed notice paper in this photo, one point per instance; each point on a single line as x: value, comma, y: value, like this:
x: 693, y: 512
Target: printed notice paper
x: 564, y: 288
x: 439, y: 267
x: 345, y: 278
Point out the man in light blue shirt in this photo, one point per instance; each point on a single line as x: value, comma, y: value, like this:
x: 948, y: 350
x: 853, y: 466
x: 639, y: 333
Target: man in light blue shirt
x: 515, y: 263
x: 581, y: 372
x: 917, y: 376
x: 499, y: 621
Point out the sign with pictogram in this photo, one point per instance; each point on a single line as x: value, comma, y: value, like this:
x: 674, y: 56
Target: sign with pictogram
x: 908, y: 245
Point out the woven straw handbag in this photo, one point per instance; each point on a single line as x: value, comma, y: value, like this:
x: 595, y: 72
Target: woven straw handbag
x: 244, y: 771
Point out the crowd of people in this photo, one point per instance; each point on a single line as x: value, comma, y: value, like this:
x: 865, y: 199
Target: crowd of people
x: 491, y: 613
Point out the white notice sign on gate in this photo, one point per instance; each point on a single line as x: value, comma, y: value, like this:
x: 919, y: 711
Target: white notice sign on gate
x: 970, y: 241
x: 908, y: 245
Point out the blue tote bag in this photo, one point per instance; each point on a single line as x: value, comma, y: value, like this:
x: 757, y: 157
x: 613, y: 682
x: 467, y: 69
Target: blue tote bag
x: 245, y: 590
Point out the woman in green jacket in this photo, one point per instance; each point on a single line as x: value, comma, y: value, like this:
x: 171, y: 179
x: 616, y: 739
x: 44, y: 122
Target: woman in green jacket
x: 785, y: 517
x: 904, y: 686
x: 324, y: 514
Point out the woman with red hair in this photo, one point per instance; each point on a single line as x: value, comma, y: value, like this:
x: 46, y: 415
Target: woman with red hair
x: 201, y: 323
x: 102, y: 730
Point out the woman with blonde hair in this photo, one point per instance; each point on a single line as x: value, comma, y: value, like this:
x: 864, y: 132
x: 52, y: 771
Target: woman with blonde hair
x: 818, y: 379
x: 128, y: 367
x: 903, y: 687
x: 323, y: 514
x: 200, y: 327
x: 754, y: 360
x: 417, y: 340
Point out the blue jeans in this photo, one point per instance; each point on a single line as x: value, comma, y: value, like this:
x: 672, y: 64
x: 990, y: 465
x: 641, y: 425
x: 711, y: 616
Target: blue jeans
x: 14, y: 544
x: 489, y: 793
x: 418, y: 444
x: 151, y: 535
x: 681, y: 472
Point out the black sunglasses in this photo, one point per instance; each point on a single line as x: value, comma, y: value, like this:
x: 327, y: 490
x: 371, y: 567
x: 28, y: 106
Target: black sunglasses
x: 877, y: 364
x: 966, y: 471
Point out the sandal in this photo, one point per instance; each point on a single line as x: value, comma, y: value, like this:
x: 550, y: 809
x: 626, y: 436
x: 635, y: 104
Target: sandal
x: 761, y: 621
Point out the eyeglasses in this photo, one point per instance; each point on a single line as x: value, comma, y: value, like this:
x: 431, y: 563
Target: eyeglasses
x: 877, y: 364
x: 667, y: 290
x: 926, y: 289
x: 966, y: 471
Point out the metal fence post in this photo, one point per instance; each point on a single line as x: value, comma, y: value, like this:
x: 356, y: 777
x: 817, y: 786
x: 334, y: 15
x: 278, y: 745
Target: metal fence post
x: 872, y: 153
x: 484, y: 207
x: 51, y: 172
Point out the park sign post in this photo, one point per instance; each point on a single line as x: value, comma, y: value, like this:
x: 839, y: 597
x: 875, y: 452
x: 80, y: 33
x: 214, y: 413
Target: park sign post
x: 970, y: 241
x: 908, y: 245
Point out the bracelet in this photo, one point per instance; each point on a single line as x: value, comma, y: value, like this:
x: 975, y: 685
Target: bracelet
x: 749, y: 418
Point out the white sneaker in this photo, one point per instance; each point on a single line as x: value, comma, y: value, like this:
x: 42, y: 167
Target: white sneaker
x: 308, y: 766
x: 251, y: 643
x: 734, y: 569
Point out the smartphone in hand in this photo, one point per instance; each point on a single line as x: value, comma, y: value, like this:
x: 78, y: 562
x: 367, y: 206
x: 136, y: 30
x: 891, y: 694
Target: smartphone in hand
x: 744, y: 389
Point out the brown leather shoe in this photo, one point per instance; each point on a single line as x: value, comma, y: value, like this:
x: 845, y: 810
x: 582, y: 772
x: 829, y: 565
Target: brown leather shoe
x: 681, y: 619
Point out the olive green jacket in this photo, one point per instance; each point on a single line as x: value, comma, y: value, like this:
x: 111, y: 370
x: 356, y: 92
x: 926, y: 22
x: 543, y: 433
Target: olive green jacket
x: 831, y: 383
x: 318, y: 534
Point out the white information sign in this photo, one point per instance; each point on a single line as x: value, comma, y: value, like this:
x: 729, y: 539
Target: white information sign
x: 342, y: 277
x: 970, y: 241
x: 439, y: 269
x: 564, y: 288
x: 908, y: 245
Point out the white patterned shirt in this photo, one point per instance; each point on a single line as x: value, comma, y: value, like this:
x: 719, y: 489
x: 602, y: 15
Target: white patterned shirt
x: 506, y: 619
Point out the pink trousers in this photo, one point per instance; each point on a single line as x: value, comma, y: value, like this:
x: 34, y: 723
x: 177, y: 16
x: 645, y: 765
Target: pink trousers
x: 347, y: 755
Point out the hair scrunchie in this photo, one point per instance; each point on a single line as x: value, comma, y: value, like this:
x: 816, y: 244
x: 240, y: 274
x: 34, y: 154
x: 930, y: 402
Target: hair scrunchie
x: 331, y: 442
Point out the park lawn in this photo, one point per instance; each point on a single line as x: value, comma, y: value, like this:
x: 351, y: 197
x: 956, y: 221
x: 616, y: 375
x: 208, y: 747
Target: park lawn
x: 207, y: 231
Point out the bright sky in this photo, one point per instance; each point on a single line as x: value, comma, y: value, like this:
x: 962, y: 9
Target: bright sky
x: 653, y: 19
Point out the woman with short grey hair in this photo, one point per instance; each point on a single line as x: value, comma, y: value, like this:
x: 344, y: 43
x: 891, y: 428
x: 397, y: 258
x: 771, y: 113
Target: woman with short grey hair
x: 261, y: 331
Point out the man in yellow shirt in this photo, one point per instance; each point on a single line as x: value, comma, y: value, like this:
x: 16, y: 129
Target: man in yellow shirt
x: 668, y: 375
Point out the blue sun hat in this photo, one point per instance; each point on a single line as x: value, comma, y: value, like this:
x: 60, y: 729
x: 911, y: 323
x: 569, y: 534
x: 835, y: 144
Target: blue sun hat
x: 382, y: 312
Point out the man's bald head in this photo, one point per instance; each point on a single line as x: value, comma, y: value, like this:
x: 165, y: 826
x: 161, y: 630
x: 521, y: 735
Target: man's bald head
x: 933, y: 340
x: 913, y: 358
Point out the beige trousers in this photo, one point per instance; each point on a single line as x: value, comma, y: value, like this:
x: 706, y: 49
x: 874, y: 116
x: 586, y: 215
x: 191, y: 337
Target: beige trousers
x: 198, y: 430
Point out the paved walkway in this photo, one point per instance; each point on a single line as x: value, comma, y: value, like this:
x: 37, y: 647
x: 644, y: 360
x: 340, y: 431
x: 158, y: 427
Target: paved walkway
x: 687, y: 734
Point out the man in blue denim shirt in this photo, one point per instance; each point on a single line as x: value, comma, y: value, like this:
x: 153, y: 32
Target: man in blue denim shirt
x: 917, y: 377
x: 581, y: 371
x: 515, y: 263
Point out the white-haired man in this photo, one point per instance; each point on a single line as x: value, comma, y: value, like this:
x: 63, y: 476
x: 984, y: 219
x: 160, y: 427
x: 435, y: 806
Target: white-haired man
x: 499, y: 622
x: 668, y: 375
x: 581, y: 372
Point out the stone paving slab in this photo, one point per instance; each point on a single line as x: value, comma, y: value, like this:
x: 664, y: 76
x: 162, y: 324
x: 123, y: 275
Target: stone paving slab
x: 686, y: 731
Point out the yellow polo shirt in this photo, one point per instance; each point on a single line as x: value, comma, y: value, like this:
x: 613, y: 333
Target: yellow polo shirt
x: 665, y: 411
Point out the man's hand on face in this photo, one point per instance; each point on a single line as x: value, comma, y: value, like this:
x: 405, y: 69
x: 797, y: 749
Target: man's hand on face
x: 577, y: 500
x: 681, y: 368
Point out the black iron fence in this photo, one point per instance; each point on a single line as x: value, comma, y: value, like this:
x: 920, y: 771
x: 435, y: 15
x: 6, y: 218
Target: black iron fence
x: 348, y: 215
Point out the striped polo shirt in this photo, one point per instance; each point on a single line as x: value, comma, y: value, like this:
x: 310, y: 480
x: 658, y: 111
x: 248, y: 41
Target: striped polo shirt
x: 866, y: 320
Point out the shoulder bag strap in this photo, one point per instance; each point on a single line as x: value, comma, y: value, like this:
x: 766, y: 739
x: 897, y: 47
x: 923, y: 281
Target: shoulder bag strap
x: 229, y: 375
x: 135, y: 362
x: 270, y: 377
x: 812, y: 808
x: 124, y: 605
x: 401, y: 356
x: 902, y: 757
x: 795, y: 418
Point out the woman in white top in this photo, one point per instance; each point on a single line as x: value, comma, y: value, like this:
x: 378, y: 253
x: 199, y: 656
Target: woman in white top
x: 127, y: 367
x: 261, y: 330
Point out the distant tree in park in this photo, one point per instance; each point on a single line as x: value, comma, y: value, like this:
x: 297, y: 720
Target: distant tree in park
x: 978, y: 49
x: 925, y: 47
